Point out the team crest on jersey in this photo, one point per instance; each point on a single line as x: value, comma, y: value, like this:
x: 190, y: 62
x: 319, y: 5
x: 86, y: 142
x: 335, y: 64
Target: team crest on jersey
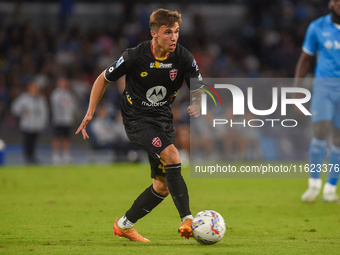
x: 173, y: 74
x: 157, y: 142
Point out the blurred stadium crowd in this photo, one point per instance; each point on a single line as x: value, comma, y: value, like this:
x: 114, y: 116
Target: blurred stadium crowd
x: 264, y: 42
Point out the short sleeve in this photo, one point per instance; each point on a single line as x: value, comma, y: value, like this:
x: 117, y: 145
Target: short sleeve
x: 118, y: 68
x: 192, y: 72
x: 310, y: 42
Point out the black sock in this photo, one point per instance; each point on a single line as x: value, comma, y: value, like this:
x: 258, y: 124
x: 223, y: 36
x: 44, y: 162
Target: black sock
x: 178, y: 189
x: 144, y: 204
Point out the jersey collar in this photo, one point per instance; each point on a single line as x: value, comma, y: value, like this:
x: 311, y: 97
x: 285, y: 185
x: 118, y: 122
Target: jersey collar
x: 159, y: 59
x: 330, y: 21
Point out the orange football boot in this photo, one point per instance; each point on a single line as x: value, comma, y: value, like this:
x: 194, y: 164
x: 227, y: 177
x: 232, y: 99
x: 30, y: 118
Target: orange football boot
x: 130, y: 233
x: 185, y: 229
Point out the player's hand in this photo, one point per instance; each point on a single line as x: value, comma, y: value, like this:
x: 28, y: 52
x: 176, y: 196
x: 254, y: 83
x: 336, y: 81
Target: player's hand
x: 194, y: 111
x: 83, y: 126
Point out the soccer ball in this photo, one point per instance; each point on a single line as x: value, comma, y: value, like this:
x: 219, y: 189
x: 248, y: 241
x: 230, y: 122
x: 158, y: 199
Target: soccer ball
x: 208, y: 227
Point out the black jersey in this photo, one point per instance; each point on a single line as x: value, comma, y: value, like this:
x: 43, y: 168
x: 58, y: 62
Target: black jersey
x: 151, y: 84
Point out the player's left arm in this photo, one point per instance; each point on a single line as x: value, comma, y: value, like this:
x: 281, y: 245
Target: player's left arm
x: 193, y: 79
x: 195, y: 108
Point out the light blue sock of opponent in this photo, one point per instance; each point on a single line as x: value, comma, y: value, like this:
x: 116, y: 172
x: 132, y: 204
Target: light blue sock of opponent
x: 317, y: 154
x: 334, y: 159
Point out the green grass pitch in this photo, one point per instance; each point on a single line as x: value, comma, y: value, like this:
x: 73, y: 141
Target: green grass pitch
x: 71, y: 210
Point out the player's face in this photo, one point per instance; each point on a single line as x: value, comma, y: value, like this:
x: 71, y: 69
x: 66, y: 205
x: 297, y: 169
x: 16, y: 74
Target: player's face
x: 167, y: 37
x: 334, y: 6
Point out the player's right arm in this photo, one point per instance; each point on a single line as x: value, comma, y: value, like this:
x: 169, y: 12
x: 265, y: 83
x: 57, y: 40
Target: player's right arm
x: 303, y: 65
x: 309, y: 48
x: 97, y: 92
x: 192, y: 71
x: 116, y: 70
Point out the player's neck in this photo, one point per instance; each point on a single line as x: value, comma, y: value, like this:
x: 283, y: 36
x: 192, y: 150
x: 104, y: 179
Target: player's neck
x: 158, y: 52
x: 336, y: 19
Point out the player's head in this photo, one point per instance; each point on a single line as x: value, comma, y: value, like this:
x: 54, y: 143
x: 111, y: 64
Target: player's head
x: 163, y: 17
x: 334, y: 6
x: 164, y: 25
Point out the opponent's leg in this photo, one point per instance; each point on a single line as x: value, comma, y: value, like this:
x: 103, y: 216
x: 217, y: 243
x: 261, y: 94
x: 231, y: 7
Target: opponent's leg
x: 317, y: 154
x: 177, y: 187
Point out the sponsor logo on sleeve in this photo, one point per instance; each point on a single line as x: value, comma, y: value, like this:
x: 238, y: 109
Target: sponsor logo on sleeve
x: 194, y: 63
x: 120, y: 60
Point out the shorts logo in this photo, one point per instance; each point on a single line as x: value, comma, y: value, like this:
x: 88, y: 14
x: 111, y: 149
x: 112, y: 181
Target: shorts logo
x: 173, y: 74
x: 157, y: 142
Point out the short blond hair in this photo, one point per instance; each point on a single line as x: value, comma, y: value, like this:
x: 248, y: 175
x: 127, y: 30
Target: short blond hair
x: 163, y: 17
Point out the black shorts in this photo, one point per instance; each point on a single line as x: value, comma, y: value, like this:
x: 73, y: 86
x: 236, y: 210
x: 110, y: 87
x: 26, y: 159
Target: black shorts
x: 61, y: 131
x: 153, y: 137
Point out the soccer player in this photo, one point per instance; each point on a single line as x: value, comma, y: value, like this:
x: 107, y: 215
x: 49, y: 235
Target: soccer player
x: 154, y: 71
x: 323, y: 38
